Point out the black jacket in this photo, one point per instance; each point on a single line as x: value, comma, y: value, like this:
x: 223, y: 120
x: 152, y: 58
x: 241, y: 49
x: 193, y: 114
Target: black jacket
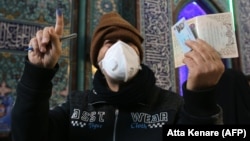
x: 95, y: 115
x: 233, y: 95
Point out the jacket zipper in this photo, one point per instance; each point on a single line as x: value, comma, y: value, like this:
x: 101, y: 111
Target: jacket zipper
x: 116, y: 118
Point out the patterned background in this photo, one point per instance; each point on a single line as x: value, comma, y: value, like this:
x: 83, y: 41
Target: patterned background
x: 20, y: 19
x: 243, y: 22
x: 156, y: 27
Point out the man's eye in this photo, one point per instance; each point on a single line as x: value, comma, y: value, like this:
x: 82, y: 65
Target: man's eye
x: 112, y: 41
x: 109, y: 42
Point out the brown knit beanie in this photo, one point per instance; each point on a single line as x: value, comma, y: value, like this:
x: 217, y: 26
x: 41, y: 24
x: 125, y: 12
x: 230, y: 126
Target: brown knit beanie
x: 113, y: 26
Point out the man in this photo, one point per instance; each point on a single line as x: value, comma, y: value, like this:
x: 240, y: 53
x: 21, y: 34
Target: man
x: 125, y: 103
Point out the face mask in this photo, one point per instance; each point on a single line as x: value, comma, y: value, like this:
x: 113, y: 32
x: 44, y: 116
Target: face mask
x: 121, y: 62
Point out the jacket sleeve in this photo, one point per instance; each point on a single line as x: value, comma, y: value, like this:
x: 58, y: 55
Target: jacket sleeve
x: 233, y: 95
x: 200, y: 107
x: 30, y: 113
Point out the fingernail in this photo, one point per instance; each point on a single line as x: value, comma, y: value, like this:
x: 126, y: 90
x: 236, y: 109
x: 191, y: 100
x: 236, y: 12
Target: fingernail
x: 59, y: 11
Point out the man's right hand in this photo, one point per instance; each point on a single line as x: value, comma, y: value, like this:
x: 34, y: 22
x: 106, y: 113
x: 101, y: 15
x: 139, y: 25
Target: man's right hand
x: 47, y: 47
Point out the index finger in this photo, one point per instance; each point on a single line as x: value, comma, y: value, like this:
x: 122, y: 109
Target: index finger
x: 199, y: 45
x: 59, y: 22
x: 205, y: 50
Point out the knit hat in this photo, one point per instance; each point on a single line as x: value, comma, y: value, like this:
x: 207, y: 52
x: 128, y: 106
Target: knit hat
x: 113, y: 26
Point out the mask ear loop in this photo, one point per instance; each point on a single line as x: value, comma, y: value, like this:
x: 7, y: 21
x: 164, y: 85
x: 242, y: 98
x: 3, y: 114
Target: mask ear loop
x: 100, y: 65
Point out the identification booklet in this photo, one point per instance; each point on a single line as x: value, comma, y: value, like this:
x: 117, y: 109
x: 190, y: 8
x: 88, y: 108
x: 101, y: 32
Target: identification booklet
x: 215, y: 29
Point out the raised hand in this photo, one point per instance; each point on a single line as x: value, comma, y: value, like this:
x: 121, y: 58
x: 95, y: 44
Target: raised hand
x: 204, y: 64
x: 47, y: 45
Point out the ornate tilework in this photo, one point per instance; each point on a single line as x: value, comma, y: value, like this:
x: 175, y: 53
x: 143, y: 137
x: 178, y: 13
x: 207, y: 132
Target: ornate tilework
x: 100, y: 7
x: 156, y: 27
x: 16, y: 36
x: 20, y: 28
x: 12, y: 65
x: 19, y: 21
x: 35, y: 11
x: 243, y: 22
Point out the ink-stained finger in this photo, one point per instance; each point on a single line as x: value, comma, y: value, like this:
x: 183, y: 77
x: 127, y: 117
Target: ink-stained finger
x: 59, y: 22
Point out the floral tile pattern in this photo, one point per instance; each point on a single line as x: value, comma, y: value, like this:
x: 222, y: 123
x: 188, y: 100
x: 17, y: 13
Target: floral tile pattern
x: 19, y: 21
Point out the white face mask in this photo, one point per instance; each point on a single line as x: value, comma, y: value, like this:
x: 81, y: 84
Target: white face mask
x: 121, y: 62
